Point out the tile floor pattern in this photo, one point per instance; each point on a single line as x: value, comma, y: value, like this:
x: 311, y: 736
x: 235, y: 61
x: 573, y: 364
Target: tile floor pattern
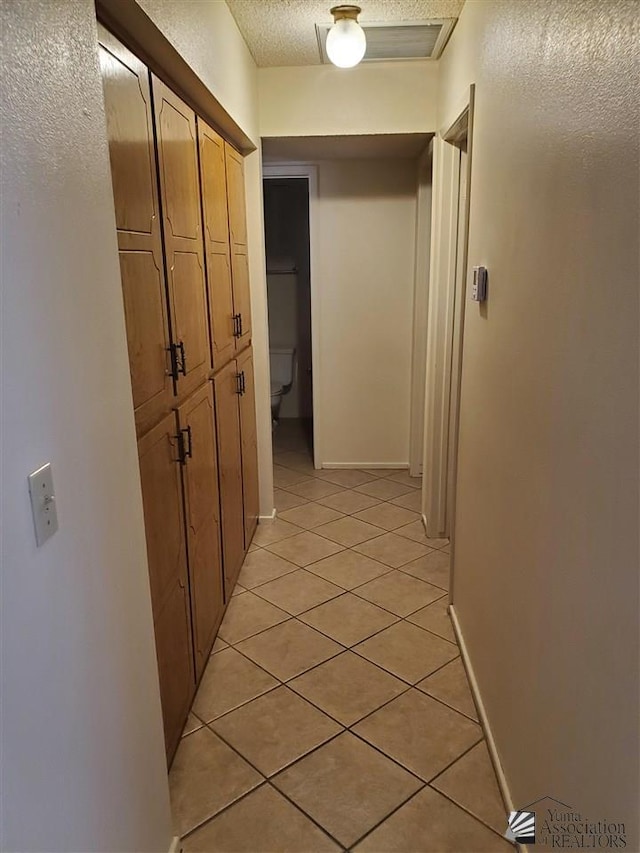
x: 334, y: 713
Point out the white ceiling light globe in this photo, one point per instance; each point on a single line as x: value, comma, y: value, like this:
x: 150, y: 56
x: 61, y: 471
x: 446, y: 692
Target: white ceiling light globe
x: 346, y: 43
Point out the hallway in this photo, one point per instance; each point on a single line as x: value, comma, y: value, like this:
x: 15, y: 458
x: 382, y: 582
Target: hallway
x: 335, y: 698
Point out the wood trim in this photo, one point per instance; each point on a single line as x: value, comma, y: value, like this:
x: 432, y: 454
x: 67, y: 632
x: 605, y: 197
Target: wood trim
x: 131, y: 24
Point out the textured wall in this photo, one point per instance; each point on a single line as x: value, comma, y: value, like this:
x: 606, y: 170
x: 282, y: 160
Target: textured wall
x: 546, y: 557
x: 83, y: 764
x: 382, y: 97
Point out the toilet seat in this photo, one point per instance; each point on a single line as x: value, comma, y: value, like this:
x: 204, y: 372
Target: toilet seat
x: 276, y: 389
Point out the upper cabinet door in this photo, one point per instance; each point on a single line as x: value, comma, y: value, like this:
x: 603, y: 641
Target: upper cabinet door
x: 238, y: 235
x: 184, y: 258
x: 213, y: 180
x: 236, y: 199
x: 135, y: 193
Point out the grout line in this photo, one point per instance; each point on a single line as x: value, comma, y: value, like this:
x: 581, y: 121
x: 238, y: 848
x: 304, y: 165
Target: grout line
x: 465, y: 808
x: 306, y: 814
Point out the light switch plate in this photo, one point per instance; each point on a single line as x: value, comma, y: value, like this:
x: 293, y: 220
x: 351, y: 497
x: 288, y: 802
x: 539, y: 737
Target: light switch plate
x: 43, y: 503
x: 479, y: 284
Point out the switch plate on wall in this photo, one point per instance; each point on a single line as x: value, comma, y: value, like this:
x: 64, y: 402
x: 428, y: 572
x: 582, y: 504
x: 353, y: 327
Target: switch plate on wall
x: 479, y: 286
x: 43, y: 503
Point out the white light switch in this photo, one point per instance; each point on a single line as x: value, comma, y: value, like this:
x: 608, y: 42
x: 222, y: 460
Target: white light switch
x: 43, y: 503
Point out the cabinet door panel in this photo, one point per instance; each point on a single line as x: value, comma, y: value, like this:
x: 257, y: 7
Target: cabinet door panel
x: 202, y: 504
x: 135, y: 192
x: 230, y: 462
x: 166, y: 552
x: 242, y: 297
x: 146, y: 320
x: 175, y: 662
x: 249, y: 445
x: 236, y: 200
x: 216, y: 237
x: 184, y: 253
x: 214, y: 186
x: 176, y: 127
x: 221, y: 308
x: 186, y: 279
x: 125, y: 83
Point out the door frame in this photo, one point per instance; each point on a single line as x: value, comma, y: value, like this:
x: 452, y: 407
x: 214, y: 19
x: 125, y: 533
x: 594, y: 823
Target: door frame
x: 447, y: 290
x: 310, y: 172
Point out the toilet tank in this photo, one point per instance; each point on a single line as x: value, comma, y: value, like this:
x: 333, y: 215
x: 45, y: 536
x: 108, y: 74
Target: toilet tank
x: 281, y: 363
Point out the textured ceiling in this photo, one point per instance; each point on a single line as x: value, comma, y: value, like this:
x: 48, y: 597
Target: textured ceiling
x: 282, y: 32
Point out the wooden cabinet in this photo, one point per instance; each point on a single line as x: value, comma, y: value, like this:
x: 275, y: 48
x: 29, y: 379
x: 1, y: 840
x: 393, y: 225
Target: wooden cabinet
x: 182, y: 220
x: 222, y: 180
x: 137, y: 209
x: 223, y: 324
x: 247, y: 399
x: 159, y: 457
x: 196, y: 425
x: 227, y: 391
x: 179, y: 207
x: 238, y: 244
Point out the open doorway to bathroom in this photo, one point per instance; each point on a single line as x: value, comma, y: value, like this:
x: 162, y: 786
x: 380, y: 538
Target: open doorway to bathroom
x: 287, y: 239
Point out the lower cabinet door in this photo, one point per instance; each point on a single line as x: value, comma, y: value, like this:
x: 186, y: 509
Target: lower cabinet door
x: 227, y: 389
x: 196, y: 421
x: 167, y: 555
x: 249, y: 444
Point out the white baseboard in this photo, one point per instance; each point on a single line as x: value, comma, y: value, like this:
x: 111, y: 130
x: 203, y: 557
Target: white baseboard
x: 381, y: 465
x: 175, y: 845
x: 484, y: 720
x: 268, y: 517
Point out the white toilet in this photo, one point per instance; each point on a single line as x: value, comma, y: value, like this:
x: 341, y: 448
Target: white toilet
x: 282, y: 362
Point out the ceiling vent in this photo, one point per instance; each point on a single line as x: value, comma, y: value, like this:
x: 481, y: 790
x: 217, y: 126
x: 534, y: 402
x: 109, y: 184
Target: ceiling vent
x: 416, y: 40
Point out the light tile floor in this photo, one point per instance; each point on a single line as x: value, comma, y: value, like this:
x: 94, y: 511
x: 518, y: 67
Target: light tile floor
x: 335, y: 712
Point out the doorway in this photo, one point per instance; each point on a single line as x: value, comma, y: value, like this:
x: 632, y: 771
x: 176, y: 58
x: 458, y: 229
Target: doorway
x: 452, y: 169
x: 288, y: 262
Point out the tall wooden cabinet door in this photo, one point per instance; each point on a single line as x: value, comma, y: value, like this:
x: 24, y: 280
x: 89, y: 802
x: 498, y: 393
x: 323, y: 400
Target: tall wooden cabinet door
x: 227, y: 388
x: 213, y: 180
x: 238, y: 238
x: 249, y: 444
x: 242, y: 298
x: 135, y: 192
x: 182, y: 217
x: 166, y: 552
x: 236, y: 199
x: 196, y: 421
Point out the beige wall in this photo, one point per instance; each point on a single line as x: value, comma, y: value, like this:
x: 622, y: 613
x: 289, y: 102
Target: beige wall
x: 365, y: 233
x: 384, y: 97
x: 546, y: 550
x: 83, y: 764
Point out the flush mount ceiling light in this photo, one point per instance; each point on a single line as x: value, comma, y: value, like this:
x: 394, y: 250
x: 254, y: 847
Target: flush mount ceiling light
x: 346, y: 41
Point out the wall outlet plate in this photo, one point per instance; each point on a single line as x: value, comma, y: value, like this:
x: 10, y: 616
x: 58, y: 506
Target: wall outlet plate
x: 43, y: 503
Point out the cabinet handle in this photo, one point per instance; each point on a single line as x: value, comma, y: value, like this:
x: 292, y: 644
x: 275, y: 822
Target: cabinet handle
x: 188, y: 452
x: 243, y: 384
x: 182, y: 456
x: 239, y: 384
x: 182, y: 361
x: 178, y: 360
x: 237, y: 325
